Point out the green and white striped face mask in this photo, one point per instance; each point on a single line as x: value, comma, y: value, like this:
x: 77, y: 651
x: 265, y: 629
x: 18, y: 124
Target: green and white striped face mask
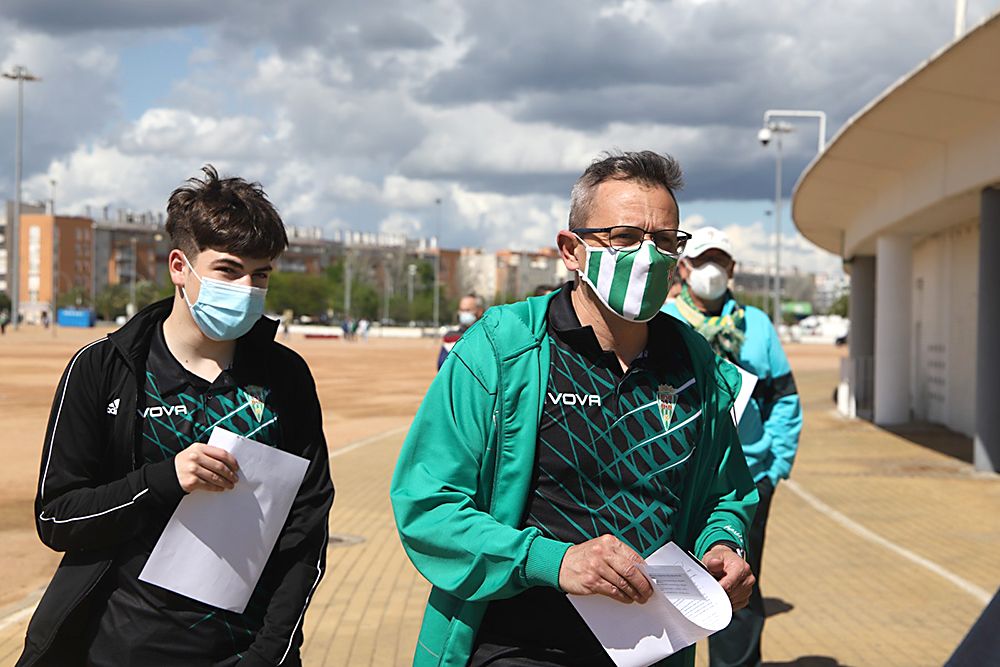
x: 633, y: 284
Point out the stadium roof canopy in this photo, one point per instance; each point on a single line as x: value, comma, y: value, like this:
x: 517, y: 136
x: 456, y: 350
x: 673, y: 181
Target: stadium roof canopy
x: 916, y: 158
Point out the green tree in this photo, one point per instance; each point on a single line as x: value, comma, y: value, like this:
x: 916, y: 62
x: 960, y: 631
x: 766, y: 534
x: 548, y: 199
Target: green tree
x: 111, y: 301
x: 840, y: 306
x: 75, y: 297
x: 301, y: 293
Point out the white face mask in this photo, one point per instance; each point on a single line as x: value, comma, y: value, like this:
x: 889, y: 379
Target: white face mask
x: 466, y: 318
x: 708, y: 281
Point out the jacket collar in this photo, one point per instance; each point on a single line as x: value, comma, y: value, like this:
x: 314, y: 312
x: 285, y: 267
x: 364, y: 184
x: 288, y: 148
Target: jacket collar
x: 133, y: 338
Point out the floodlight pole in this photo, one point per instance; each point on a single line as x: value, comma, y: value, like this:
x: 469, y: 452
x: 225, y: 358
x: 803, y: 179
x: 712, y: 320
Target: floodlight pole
x: 437, y: 267
x: 19, y: 74
x: 776, y: 129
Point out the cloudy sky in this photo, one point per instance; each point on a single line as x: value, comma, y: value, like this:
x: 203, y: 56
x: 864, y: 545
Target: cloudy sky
x: 359, y: 115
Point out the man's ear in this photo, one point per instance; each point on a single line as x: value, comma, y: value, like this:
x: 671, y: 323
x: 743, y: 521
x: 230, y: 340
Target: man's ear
x: 176, y: 264
x: 732, y: 269
x: 568, y: 242
x: 683, y: 269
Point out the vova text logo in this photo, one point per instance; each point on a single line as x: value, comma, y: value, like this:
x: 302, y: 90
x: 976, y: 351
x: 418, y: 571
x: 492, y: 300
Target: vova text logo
x: 164, y: 410
x: 575, y: 399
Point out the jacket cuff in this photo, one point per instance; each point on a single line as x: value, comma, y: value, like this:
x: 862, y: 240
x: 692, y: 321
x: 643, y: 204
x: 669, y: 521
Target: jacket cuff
x: 712, y: 537
x: 780, y: 469
x: 544, y: 560
x: 161, y: 477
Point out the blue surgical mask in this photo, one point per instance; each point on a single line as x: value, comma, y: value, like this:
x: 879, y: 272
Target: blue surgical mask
x: 223, y: 310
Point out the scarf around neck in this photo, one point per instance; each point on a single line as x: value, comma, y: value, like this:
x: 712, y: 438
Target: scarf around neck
x: 724, y: 332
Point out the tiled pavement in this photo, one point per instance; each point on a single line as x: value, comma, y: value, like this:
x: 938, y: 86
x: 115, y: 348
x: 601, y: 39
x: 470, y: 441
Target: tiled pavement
x: 858, y: 551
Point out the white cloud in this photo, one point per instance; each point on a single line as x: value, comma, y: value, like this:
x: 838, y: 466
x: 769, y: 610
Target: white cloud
x: 352, y: 119
x: 402, y: 192
x: 181, y: 133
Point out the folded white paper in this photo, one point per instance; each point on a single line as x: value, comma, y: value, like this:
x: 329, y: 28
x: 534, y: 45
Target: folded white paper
x: 687, y: 605
x: 748, y: 382
x: 215, y: 545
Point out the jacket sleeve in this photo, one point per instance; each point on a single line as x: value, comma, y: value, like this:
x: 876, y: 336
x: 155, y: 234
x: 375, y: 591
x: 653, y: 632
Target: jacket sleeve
x: 298, y: 561
x: 782, y: 411
x: 727, y: 497
x: 76, y: 506
x: 437, y: 498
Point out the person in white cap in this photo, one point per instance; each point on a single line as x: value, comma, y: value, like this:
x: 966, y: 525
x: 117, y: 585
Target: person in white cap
x: 769, y: 427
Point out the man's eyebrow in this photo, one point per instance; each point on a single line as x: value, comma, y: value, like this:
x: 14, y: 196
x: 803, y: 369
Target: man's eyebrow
x: 228, y: 262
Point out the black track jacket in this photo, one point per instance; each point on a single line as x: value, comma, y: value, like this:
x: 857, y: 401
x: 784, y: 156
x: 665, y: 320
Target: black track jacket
x: 93, y: 497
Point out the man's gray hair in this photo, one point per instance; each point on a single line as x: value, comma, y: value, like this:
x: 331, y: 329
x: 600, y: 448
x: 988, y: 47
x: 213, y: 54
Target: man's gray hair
x: 645, y: 167
x: 480, y: 302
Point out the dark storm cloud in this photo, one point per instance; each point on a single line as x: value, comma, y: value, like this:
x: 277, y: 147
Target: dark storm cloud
x: 70, y: 16
x: 522, y: 47
x: 389, y: 33
x: 363, y: 87
x: 707, y: 67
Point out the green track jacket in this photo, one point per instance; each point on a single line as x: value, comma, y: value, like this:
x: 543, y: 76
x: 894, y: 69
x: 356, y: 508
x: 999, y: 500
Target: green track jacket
x: 462, y: 480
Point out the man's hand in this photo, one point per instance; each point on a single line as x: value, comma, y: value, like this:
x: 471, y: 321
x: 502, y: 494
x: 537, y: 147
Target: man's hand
x: 732, y: 572
x: 604, y: 566
x: 201, y: 466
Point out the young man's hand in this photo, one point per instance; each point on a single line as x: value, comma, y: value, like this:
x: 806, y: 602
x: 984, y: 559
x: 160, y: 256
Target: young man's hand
x: 604, y: 566
x: 732, y: 572
x: 201, y: 466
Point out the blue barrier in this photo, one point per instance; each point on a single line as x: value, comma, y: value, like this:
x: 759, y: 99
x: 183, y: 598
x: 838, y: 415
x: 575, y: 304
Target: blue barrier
x: 75, y: 317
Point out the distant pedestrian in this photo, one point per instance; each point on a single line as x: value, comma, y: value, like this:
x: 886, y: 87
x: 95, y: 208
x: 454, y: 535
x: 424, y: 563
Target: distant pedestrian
x: 4, y: 321
x: 45, y: 319
x: 362, y: 329
x: 769, y: 428
x: 470, y: 309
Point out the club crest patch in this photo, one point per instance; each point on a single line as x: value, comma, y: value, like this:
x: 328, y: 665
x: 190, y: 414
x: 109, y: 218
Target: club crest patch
x: 256, y: 397
x: 666, y: 397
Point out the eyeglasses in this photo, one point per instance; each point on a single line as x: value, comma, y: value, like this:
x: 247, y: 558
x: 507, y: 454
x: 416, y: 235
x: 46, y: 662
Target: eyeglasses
x: 626, y: 237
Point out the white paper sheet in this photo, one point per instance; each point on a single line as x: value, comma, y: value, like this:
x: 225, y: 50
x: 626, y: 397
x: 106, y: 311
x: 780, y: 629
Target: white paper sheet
x: 687, y: 605
x: 749, y: 381
x: 215, y: 545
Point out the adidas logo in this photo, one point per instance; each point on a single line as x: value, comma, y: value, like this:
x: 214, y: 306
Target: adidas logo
x: 113, y: 407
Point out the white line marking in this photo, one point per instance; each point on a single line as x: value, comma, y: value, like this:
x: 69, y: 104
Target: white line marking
x: 18, y: 616
x: 975, y: 591
x: 358, y: 444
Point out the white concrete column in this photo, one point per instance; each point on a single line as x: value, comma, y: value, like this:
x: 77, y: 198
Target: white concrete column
x: 893, y: 296
x: 986, y: 444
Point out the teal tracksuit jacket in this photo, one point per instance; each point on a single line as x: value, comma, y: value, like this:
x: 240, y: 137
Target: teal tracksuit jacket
x: 464, y: 473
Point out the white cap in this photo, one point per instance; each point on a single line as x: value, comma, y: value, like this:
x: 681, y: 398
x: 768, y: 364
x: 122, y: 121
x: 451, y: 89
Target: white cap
x: 704, y: 239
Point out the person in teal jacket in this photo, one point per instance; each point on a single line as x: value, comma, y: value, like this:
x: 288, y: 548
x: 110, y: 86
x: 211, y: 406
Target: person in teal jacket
x: 770, y: 425
x: 569, y: 436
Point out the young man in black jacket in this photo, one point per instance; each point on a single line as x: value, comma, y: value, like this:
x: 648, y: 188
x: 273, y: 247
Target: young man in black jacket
x: 126, y: 441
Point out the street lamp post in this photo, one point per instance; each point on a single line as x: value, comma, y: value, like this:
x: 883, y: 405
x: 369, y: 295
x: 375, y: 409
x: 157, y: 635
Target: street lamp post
x: 411, y: 271
x: 19, y: 74
x: 131, y: 288
x: 437, y: 267
x: 93, y: 267
x: 773, y: 129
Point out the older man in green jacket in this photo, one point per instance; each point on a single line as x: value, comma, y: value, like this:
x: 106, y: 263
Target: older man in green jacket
x: 568, y: 437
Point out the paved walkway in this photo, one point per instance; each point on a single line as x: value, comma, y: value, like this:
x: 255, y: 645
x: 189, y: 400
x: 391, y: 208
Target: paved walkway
x: 881, y: 552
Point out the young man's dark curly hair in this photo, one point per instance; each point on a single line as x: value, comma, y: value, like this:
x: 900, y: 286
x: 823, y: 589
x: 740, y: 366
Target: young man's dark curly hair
x: 224, y: 214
